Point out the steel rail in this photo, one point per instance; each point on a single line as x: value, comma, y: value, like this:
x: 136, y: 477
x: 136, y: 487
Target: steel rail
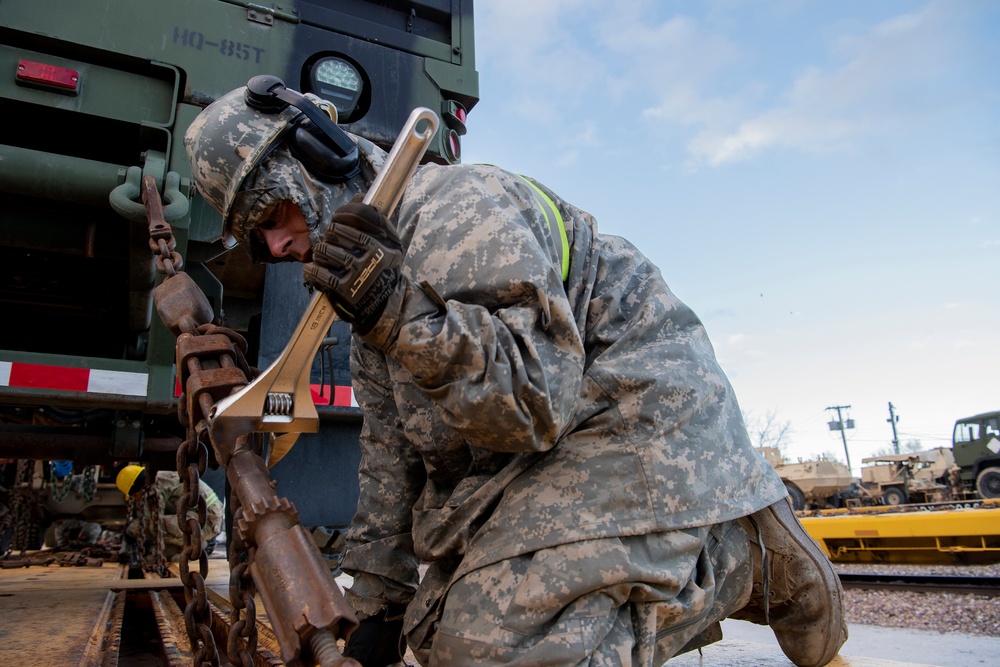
x: 924, y: 583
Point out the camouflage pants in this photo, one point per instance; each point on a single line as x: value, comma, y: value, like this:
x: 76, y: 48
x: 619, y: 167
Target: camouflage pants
x: 615, y: 601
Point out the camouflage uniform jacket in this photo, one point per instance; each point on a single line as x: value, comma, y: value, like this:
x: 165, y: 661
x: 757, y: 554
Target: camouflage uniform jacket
x: 507, y: 409
x: 170, y: 488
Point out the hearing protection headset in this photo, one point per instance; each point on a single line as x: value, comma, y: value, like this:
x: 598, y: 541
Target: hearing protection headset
x: 313, y: 138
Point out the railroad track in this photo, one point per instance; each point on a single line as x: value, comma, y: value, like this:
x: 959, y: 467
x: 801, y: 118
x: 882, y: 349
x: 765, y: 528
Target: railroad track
x: 924, y: 583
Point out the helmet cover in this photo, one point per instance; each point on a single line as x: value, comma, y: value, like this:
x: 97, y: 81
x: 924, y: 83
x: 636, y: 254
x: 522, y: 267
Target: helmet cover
x: 227, y: 143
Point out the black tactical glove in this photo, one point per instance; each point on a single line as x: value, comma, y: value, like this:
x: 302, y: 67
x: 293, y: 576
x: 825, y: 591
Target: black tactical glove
x: 357, y: 263
x: 378, y: 640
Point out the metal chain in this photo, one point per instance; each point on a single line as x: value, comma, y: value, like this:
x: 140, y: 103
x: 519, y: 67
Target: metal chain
x: 192, y: 459
x: 133, y: 514
x: 58, y: 490
x: 6, y: 523
x: 154, y: 560
x: 161, y: 234
x: 90, y: 475
x: 23, y: 502
x: 242, y: 640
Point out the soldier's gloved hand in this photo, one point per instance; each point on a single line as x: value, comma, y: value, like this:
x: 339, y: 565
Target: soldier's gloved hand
x: 378, y: 640
x: 357, y: 263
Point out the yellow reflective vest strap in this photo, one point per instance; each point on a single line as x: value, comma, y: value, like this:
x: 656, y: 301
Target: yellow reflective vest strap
x: 552, y: 214
x: 211, y: 498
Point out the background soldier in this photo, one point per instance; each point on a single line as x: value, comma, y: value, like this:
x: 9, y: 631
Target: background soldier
x: 132, y: 479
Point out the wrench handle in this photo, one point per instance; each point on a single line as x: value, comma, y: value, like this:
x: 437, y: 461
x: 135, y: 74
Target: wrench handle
x: 384, y: 194
x: 402, y: 161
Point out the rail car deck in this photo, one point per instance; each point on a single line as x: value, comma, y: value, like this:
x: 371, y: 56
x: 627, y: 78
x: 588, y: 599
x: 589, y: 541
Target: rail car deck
x: 946, y: 533
x: 90, y: 617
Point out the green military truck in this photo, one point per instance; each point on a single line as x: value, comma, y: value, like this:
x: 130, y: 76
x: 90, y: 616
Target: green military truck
x: 96, y: 96
x: 976, y: 448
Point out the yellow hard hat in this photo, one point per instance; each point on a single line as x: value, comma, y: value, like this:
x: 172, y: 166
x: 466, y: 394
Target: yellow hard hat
x: 126, y: 478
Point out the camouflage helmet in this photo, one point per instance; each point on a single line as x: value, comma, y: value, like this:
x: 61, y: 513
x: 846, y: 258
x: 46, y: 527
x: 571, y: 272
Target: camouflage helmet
x: 224, y: 144
x: 242, y: 168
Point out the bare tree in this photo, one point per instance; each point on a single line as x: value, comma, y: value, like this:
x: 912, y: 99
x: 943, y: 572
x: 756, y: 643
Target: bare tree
x: 909, y: 447
x: 768, y: 430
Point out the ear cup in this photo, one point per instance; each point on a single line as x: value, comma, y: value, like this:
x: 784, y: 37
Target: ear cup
x: 314, y: 150
x: 260, y: 94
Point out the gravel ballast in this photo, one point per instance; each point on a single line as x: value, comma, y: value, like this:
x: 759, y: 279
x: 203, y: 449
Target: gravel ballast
x: 940, y: 612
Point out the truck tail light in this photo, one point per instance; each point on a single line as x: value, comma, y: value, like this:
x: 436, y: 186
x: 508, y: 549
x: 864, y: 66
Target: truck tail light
x: 48, y: 77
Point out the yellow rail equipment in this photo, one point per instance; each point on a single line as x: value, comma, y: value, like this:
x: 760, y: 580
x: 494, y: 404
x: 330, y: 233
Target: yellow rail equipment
x: 934, y: 533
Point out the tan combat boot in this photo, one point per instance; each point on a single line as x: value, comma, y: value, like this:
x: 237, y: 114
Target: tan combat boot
x: 795, y: 590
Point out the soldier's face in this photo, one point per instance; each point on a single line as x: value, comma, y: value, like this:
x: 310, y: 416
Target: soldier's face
x: 286, y: 234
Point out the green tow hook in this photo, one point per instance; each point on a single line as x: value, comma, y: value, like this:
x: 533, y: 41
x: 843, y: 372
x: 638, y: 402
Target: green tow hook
x: 126, y: 199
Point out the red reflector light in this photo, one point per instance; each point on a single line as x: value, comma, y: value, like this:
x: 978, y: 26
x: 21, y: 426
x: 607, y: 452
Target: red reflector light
x: 41, y: 74
x: 454, y: 146
x: 460, y: 113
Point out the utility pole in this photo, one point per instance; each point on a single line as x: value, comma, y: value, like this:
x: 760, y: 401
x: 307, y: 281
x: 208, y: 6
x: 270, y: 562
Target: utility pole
x: 840, y: 425
x: 892, y: 420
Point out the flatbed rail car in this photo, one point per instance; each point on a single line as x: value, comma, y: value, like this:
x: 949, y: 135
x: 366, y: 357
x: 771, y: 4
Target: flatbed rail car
x: 97, y: 94
x: 932, y: 533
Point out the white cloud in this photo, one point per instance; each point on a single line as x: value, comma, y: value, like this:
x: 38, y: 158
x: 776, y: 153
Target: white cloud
x: 882, y: 73
x: 563, y: 58
x: 736, y: 340
x: 563, y: 61
x: 568, y: 158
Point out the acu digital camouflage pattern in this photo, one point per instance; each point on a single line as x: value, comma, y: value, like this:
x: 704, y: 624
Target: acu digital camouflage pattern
x: 634, y: 600
x: 507, y: 413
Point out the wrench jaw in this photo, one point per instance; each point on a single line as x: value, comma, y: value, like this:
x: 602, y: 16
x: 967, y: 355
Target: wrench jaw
x: 252, y: 409
x: 279, y: 400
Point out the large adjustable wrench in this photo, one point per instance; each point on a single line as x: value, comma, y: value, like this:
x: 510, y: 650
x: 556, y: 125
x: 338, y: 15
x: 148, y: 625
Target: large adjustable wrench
x: 279, y: 400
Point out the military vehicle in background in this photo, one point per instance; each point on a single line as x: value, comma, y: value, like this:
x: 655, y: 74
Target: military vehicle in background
x: 976, y: 450
x: 817, y: 484
x: 96, y: 96
x: 968, y: 470
x: 917, y: 477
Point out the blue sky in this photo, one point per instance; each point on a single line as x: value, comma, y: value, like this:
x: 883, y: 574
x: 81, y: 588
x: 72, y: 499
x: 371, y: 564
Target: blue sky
x: 820, y: 181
